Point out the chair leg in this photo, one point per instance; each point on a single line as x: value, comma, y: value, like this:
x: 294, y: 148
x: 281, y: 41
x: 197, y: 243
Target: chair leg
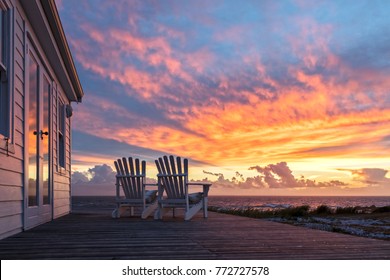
x: 131, y: 211
x: 205, y: 213
x: 149, y: 210
x: 159, y: 212
x: 192, y: 211
x: 115, y: 214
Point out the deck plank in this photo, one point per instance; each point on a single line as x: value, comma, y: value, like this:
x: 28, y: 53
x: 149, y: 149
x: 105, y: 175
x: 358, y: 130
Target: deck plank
x: 88, y: 235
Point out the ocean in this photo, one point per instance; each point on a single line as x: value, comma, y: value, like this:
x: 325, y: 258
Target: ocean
x: 279, y: 202
x: 258, y: 202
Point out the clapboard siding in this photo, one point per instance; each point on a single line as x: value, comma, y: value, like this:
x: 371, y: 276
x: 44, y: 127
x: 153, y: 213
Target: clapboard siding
x: 62, y: 198
x: 61, y: 179
x: 19, y: 59
x: 59, y: 187
x: 18, y: 122
x: 10, y: 193
x: 60, y: 195
x: 10, y: 208
x: 11, y: 167
x: 55, y: 129
x: 18, y: 113
x: 10, y: 164
x: 62, y: 204
x: 18, y: 137
x: 11, y: 178
x: 19, y: 74
x: 10, y: 225
x: 60, y: 211
x: 18, y: 96
x: 19, y: 22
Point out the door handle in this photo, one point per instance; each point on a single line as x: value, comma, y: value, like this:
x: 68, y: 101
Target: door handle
x: 43, y: 133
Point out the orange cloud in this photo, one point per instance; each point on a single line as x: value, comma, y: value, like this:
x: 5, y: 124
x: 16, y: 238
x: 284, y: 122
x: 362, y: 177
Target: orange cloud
x: 257, y: 109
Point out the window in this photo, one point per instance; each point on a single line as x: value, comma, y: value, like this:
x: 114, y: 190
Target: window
x: 61, y: 134
x: 4, y: 89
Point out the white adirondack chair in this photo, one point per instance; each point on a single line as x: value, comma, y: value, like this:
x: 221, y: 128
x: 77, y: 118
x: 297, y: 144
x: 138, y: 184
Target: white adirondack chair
x: 173, y: 189
x: 131, y: 177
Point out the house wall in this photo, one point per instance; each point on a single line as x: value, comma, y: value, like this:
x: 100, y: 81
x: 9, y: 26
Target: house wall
x: 12, y: 166
x: 61, y: 176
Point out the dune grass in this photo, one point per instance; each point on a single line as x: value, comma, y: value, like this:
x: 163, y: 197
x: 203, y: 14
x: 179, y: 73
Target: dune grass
x: 373, y: 222
x: 299, y: 211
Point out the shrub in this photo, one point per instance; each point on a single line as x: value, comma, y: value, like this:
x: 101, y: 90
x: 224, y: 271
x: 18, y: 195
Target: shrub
x: 384, y: 209
x: 346, y: 210
x: 298, y: 211
x: 323, y: 209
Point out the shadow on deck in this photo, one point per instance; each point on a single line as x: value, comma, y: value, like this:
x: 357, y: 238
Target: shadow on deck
x: 95, y: 235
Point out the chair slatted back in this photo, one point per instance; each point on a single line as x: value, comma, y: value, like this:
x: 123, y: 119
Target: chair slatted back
x: 173, y: 176
x: 131, y: 175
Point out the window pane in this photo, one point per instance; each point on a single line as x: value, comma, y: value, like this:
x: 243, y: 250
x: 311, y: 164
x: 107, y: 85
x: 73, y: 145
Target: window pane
x: 45, y: 141
x: 1, y: 34
x: 33, y: 133
x: 4, y: 100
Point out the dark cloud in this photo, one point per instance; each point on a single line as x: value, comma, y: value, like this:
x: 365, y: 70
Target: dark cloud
x: 86, y: 143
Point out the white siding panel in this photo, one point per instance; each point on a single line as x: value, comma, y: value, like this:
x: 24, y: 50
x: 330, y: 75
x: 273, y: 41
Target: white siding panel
x: 61, y: 180
x: 19, y: 26
x: 10, y: 208
x: 10, y: 193
x: 60, y: 195
x: 19, y: 58
x: 18, y: 97
x: 19, y: 74
x: 10, y: 224
x: 19, y: 113
x: 9, y: 178
x: 62, y: 210
x: 10, y: 233
x: 11, y: 167
x: 18, y: 139
x: 9, y: 164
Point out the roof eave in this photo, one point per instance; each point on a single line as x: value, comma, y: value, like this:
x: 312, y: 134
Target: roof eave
x: 54, y: 20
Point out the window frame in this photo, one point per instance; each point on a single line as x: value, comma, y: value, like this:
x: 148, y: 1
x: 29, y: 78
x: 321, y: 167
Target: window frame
x: 61, y: 132
x: 6, y: 79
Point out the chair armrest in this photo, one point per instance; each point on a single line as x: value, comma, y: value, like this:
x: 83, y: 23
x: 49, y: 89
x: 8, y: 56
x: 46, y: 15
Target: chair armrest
x: 206, y: 187
x: 199, y: 184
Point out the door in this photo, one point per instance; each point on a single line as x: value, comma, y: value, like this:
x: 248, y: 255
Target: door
x: 39, y: 191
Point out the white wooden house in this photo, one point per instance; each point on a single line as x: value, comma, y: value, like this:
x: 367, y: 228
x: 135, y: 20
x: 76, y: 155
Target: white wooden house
x: 38, y: 83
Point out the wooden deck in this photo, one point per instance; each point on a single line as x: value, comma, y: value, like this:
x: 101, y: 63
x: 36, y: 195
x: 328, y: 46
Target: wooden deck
x: 91, y: 235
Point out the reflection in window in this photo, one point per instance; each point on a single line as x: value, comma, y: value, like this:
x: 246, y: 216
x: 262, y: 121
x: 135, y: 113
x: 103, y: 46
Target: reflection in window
x: 45, y: 141
x: 33, y: 129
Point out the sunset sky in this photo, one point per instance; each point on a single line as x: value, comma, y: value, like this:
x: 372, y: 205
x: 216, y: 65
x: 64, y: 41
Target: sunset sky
x: 263, y: 97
